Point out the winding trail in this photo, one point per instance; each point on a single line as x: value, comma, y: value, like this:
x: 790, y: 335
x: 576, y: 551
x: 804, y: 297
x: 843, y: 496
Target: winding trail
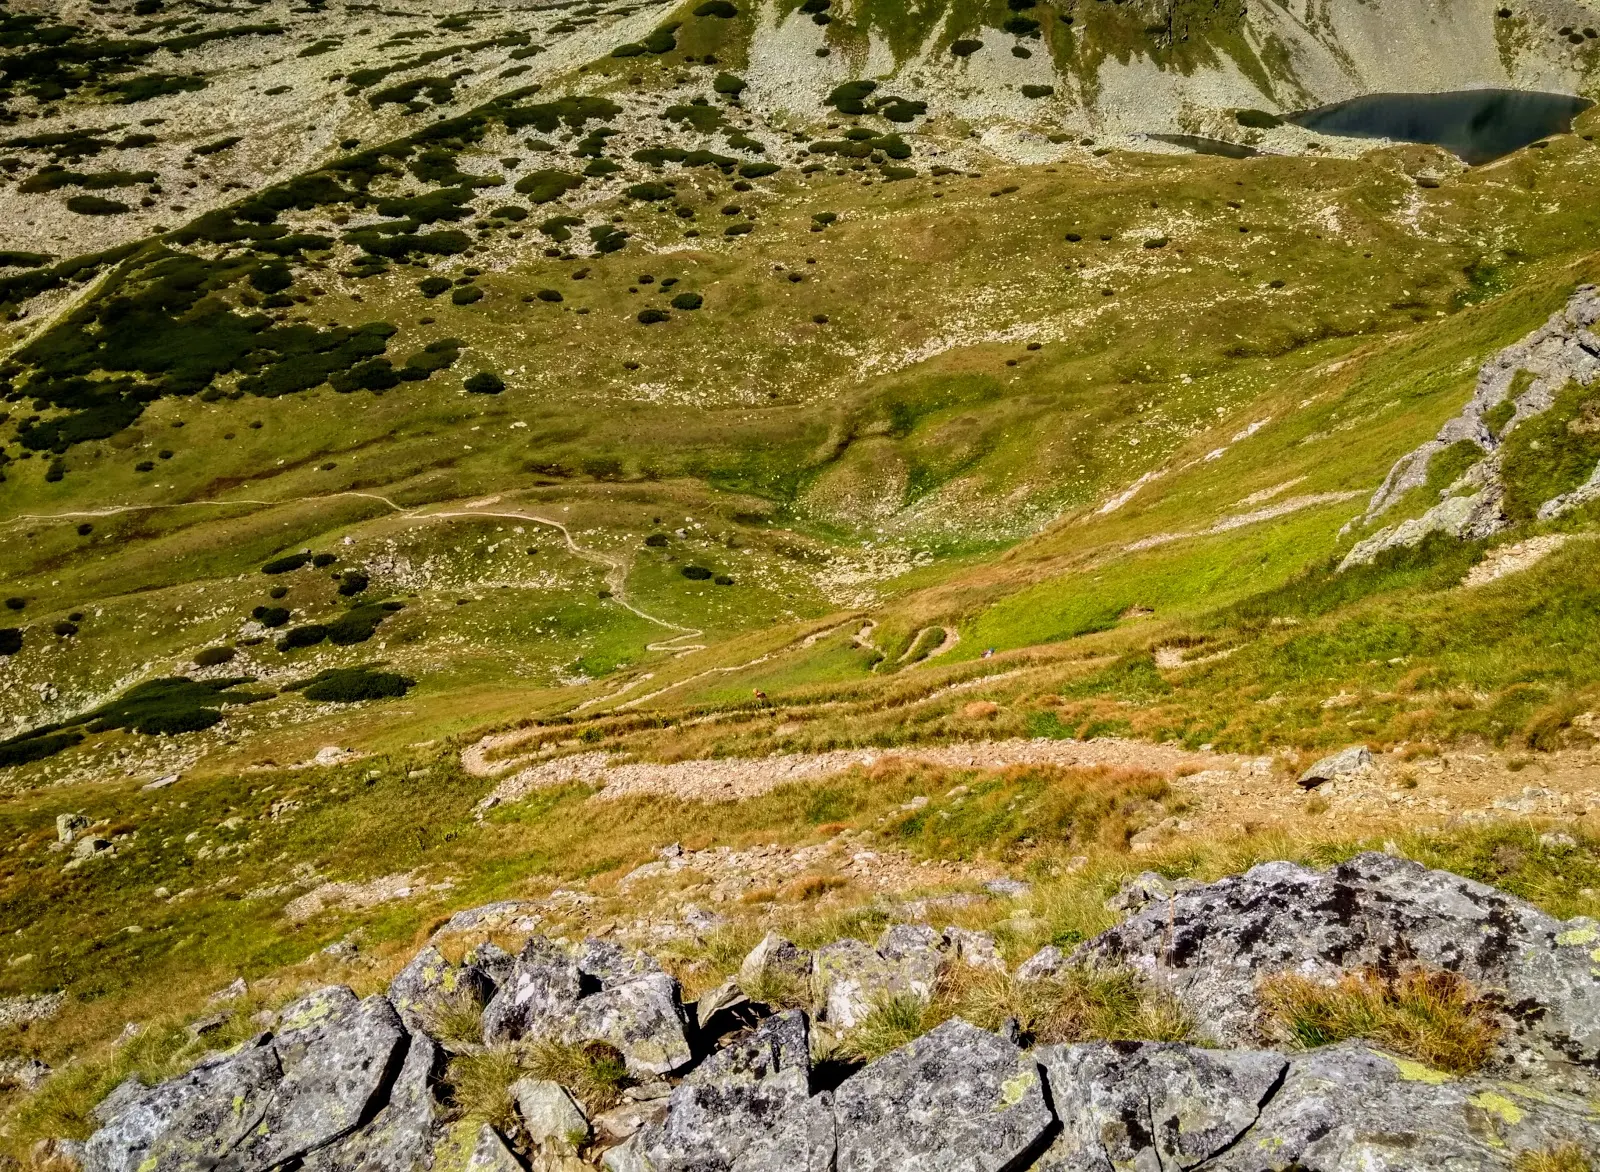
x: 616, y: 568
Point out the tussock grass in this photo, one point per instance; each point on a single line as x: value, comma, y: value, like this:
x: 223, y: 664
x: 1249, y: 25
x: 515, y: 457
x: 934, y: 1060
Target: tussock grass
x: 1084, y: 1004
x: 456, y: 1018
x: 594, y: 1072
x: 480, y: 1086
x: 1434, y: 1016
x: 1563, y: 1158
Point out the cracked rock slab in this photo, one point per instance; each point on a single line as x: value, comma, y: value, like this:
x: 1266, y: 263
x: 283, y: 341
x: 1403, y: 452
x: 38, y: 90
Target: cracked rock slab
x: 1137, y: 1106
x: 958, y: 1099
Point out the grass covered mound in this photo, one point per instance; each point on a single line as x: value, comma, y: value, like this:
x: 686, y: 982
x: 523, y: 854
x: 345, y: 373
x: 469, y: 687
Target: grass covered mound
x: 349, y: 685
x: 159, y: 707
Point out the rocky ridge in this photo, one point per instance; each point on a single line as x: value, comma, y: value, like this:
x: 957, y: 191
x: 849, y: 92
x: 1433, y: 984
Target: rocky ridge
x: 731, y: 1081
x: 1528, y: 374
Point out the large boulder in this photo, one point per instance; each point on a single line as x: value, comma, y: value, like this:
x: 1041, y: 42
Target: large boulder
x: 192, y: 1122
x: 742, y: 1096
x: 773, y: 960
x: 1351, y: 1107
x: 604, y: 993
x: 1128, y: 1108
x: 429, y: 980
x: 849, y: 978
x: 1211, y: 945
x: 1152, y: 1106
x: 273, y: 1102
x: 401, y: 1136
x: 958, y: 1099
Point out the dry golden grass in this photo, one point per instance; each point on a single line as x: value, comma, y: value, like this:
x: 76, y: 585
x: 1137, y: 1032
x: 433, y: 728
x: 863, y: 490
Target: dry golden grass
x: 1433, y: 1016
x: 480, y: 1086
x: 1565, y: 1158
x: 594, y: 1072
x: 456, y: 1018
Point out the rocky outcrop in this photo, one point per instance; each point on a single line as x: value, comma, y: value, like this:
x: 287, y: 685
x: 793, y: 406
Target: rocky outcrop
x: 345, y: 1084
x: 1210, y: 945
x: 1565, y: 349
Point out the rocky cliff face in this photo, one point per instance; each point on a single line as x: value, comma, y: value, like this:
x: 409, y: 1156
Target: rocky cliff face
x: 728, y: 1083
x: 1159, y: 66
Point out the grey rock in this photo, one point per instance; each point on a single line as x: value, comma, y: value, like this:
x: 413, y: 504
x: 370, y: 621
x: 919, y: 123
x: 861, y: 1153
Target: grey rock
x: 122, y: 1095
x: 430, y: 981
x: 803, y: 1139
x: 727, y: 995
x: 492, y: 963
x: 773, y: 958
x: 1350, y: 1107
x: 338, y: 1056
x: 90, y: 845
x: 739, y: 1095
x: 959, y: 1099
x: 1212, y: 944
x: 611, y: 964
x: 1008, y: 888
x: 974, y: 949
x: 192, y: 1122
x: 1155, y: 1106
x: 1351, y: 760
x: 401, y: 1136
x: 637, y: 1007
x: 490, y: 1153
x: 68, y: 826
x: 26, y: 1073
x: 549, y: 1113
x: 538, y: 996
x: 1049, y: 962
x: 644, y: 1018
x: 850, y: 977
x: 1146, y: 887
x: 625, y: 1121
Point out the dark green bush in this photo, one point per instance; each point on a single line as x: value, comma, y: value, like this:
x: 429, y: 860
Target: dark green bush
x: 696, y: 573
x: 654, y: 541
x: 348, y: 685
x: 214, y: 656
x: 759, y: 170
x: 286, y: 563
x: 278, y: 592
x: 716, y: 8
x: 271, y: 278
x: 549, y: 295
x: 356, y: 625
x: 485, y: 382
x: 323, y: 559
x: 270, y: 616
x: 353, y: 582
x: 1038, y: 91
x: 15, y: 603
x: 739, y: 229
x: 649, y: 317
x: 220, y: 145
x: 433, y: 286
x: 1021, y: 26
x: 850, y: 97
x: 308, y: 635
x: 36, y: 746
x: 729, y: 84
x: 95, y: 205
x: 10, y: 640
x: 65, y: 628
x: 688, y: 301
x: 966, y: 47
x: 466, y: 295
x: 723, y: 580
x: 547, y: 185
x: 663, y: 40
x: 649, y: 191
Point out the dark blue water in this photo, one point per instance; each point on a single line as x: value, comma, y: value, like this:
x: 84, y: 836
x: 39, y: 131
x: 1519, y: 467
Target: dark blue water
x: 1207, y: 146
x: 1477, y: 126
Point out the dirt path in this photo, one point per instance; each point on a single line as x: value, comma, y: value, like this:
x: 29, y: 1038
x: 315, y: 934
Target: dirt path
x: 616, y: 569
x: 730, y: 778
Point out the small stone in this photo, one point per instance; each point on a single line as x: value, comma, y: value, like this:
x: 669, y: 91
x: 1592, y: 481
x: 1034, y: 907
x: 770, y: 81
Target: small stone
x: 68, y: 826
x: 1049, y: 962
x: 1342, y: 763
x: 550, y: 1115
x: 1008, y: 888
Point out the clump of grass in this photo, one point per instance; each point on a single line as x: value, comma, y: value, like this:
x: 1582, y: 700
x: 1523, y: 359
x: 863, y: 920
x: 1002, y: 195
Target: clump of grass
x: 780, y: 990
x: 480, y: 1086
x: 1431, y: 1015
x: 1084, y: 1004
x: 594, y: 1072
x: 455, y: 1018
x: 1562, y: 1158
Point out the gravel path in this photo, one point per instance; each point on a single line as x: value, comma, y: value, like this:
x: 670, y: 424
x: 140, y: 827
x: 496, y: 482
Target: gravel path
x: 732, y: 778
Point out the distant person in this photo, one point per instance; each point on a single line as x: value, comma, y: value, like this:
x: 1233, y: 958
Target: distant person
x: 988, y: 653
